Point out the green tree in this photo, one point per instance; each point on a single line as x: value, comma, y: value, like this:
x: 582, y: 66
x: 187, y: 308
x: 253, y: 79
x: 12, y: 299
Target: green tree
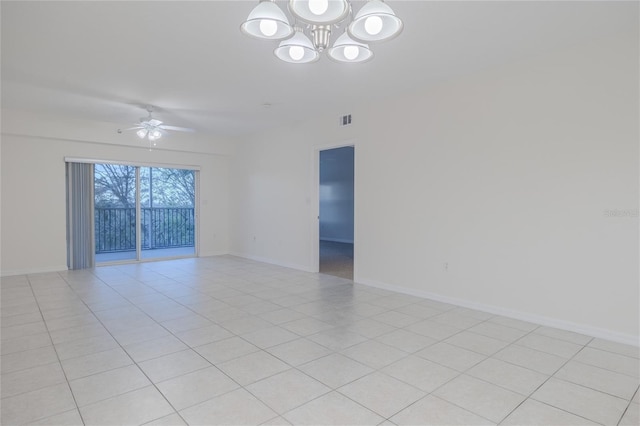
x: 115, y: 185
x: 167, y: 187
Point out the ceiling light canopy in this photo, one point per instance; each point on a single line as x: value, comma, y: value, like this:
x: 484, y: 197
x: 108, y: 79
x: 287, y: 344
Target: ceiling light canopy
x: 374, y: 22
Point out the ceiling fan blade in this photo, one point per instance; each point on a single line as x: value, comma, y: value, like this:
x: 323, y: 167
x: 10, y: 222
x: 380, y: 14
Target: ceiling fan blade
x: 134, y: 128
x: 179, y: 129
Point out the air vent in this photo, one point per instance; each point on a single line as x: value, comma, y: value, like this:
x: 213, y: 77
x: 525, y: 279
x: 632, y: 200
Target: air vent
x: 345, y: 120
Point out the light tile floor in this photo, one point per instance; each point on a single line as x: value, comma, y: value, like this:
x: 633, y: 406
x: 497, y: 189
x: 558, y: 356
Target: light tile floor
x: 225, y: 340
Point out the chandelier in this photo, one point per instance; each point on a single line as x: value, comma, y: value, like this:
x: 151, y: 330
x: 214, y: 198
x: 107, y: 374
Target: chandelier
x: 313, y: 23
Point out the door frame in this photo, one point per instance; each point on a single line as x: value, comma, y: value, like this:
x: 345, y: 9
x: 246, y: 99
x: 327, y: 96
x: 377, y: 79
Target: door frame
x: 138, y: 164
x: 315, y: 202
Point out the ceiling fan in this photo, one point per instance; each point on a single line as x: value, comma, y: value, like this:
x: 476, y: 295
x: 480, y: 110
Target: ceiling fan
x: 153, y: 129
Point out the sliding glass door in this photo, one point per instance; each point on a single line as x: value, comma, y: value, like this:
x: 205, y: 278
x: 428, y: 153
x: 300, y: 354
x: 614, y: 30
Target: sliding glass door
x: 115, y: 212
x: 168, y: 218
x: 144, y: 212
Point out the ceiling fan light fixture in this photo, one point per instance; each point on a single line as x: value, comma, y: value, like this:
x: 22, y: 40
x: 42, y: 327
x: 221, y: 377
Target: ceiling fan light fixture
x: 375, y: 22
x: 298, y: 49
x: 346, y: 49
x: 320, y: 12
x: 155, y: 134
x: 153, y: 129
x: 267, y: 21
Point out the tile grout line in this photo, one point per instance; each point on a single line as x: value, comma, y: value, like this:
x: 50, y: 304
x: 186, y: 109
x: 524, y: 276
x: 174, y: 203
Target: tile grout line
x: 465, y: 372
x: 543, y: 383
x: 191, y: 348
x: 553, y: 376
x: 56, y: 352
x: 628, y: 405
x: 133, y: 361
x: 245, y: 291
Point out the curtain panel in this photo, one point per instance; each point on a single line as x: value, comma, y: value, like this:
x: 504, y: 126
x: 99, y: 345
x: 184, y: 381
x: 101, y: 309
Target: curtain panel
x: 80, y: 220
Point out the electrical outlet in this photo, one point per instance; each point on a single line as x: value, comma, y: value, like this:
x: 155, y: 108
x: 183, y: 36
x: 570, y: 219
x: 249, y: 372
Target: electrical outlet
x: 445, y: 266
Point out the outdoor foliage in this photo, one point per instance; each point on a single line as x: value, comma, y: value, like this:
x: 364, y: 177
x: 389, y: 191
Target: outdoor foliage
x: 115, y: 185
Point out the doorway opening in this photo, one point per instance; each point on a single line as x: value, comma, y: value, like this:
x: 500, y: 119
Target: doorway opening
x: 336, y: 208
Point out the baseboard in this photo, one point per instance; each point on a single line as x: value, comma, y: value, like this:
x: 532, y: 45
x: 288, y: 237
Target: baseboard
x: 336, y: 240
x: 588, y: 330
x: 273, y: 262
x: 212, y: 253
x: 14, y: 272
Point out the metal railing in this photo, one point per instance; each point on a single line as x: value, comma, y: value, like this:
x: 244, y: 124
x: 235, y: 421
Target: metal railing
x: 162, y: 227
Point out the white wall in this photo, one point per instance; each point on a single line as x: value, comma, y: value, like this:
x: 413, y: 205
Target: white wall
x: 504, y: 176
x: 33, y: 183
x: 336, y: 194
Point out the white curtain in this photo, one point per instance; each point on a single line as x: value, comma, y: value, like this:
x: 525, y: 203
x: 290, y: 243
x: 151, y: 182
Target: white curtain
x: 80, y: 232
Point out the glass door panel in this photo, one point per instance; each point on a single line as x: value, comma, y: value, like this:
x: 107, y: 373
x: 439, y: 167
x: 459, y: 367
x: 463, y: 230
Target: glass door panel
x: 167, y: 200
x: 115, y: 212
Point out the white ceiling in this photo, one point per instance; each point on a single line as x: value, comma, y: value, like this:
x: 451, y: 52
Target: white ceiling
x: 105, y: 60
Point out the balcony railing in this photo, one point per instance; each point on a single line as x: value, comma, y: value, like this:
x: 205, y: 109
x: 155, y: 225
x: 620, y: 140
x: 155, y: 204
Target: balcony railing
x: 162, y: 227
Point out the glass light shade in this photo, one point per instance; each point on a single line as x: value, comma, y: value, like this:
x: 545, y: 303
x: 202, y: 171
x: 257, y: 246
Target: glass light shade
x: 318, y: 7
x: 268, y: 27
x: 267, y: 21
x: 307, y: 11
x: 366, y: 24
x: 345, y: 49
x: 141, y: 133
x: 155, y: 135
x: 372, y: 25
x: 297, y: 50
